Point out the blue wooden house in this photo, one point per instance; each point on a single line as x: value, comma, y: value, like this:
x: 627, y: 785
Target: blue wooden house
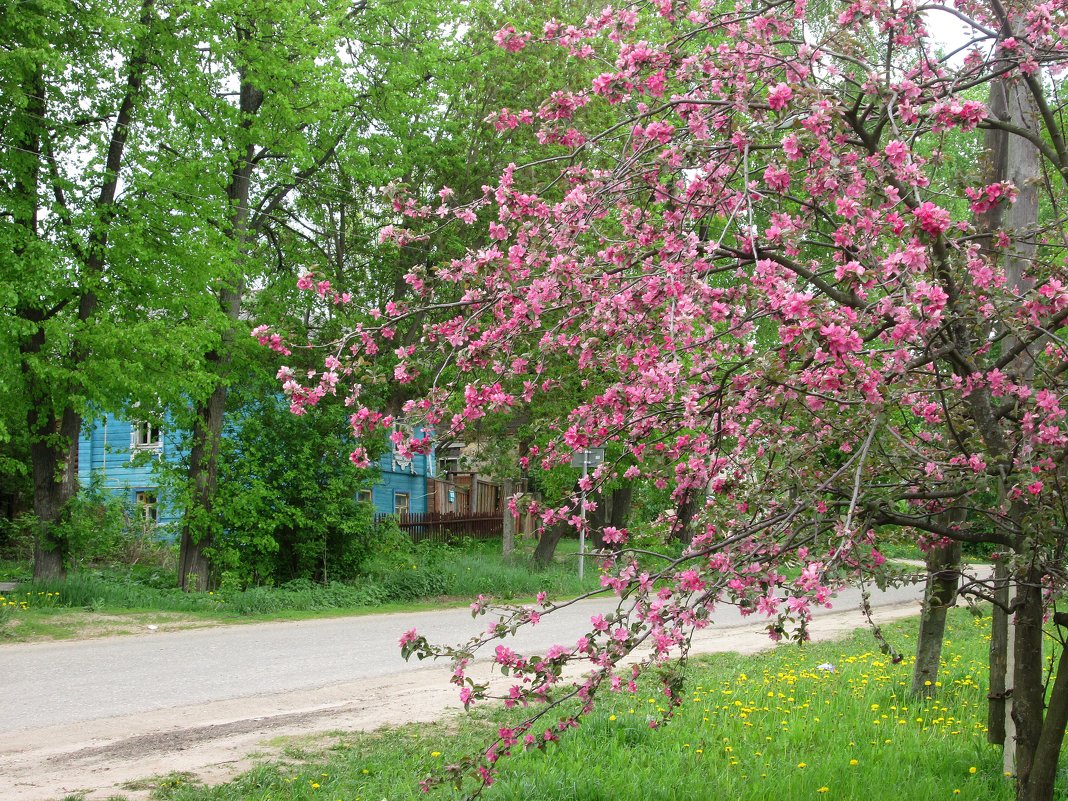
x: 403, y: 484
x: 120, y: 455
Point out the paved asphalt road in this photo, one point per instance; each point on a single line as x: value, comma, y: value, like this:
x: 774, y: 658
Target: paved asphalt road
x: 47, y: 684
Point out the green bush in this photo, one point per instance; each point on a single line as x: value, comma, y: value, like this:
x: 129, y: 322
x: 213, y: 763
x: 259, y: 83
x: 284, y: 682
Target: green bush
x: 286, y: 503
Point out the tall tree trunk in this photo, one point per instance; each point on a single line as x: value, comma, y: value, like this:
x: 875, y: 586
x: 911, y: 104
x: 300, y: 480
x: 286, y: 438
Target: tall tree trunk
x: 1025, y: 699
x: 194, y: 564
x: 1015, y: 677
x: 943, y: 576
x: 50, y: 455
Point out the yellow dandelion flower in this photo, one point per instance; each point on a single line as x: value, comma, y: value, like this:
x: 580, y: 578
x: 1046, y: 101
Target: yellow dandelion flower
x: 824, y: 790
x: 802, y: 765
x: 972, y: 769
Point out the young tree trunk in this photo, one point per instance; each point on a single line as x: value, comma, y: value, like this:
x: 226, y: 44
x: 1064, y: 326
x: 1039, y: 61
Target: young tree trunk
x: 943, y: 575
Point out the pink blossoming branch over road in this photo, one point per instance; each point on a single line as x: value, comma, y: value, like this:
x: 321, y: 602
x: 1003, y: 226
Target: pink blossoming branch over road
x: 779, y: 283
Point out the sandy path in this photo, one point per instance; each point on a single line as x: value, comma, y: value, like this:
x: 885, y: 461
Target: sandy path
x: 216, y: 740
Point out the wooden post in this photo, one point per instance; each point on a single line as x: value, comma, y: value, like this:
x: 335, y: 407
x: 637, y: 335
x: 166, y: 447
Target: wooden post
x: 509, y: 520
x: 472, y: 497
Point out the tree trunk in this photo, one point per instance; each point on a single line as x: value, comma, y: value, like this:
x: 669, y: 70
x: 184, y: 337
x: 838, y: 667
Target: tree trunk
x: 55, y: 481
x: 1028, y: 690
x: 682, y: 530
x: 943, y: 574
x: 1044, y: 767
x: 52, y: 422
x: 194, y: 564
x: 622, y: 498
x: 543, y: 553
x: 1016, y: 681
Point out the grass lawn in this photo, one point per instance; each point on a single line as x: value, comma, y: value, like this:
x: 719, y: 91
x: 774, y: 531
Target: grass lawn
x: 122, y: 600
x: 771, y: 726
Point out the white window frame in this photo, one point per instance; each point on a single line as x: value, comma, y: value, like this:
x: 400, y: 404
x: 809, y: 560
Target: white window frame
x: 145, y: 436
x: 407, y: 502
x: 147, y: 506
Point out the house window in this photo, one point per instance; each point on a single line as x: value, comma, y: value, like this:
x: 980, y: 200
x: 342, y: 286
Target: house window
x: 147, y: 506
x: 146, y: 435
x: 401, y: 503
x: 364, y: 496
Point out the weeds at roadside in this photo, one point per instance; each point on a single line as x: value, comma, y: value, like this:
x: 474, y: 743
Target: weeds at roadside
x: 774, y: 725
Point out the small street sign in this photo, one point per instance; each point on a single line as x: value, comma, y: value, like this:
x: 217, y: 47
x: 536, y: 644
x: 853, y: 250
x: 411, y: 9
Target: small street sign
x: 590, y: 457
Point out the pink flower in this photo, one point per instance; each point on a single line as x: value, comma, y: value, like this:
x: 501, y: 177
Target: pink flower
x: 896, y: 152
x: 931, y: 218
x: 510, y: 40
x: 779, y: 96
x: 408, y: 637
x: 777, y: 178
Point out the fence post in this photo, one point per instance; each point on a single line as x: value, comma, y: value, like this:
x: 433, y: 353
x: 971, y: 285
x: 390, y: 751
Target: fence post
x: 508, y: 521
x: 472, y: 496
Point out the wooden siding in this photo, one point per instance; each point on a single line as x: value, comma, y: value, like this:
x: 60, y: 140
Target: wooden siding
x: 105, y: 447
x: 105, y: 453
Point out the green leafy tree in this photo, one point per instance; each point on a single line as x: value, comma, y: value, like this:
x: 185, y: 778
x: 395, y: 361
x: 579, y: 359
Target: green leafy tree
x: 91, y: 275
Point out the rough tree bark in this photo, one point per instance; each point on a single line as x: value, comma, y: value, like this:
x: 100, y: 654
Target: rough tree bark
x: 1023, y: 168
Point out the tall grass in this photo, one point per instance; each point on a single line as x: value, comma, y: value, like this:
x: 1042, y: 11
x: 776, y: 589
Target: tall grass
x: 427, y: 572
x: 772, y: 726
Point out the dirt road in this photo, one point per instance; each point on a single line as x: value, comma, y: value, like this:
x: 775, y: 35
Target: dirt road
x: 94, y: 715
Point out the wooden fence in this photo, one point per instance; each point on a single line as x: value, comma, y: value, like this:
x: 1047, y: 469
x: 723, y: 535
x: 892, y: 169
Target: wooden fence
x: 447, y: 526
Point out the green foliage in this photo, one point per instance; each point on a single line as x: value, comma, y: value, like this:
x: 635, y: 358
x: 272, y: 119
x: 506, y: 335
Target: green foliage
x: 286, y: 507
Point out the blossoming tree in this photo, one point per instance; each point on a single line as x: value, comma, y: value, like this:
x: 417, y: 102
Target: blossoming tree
x: 798, y: 281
